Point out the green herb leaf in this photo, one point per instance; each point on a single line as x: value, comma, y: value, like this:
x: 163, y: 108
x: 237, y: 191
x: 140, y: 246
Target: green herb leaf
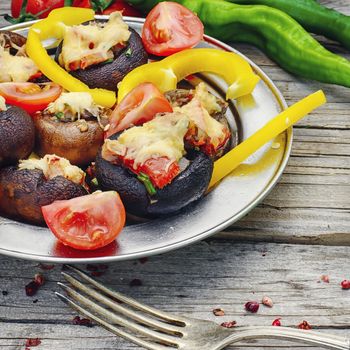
x: 128, y: 52
x: 94, y: 181
x: 147, y: 183
x: 59, y: 115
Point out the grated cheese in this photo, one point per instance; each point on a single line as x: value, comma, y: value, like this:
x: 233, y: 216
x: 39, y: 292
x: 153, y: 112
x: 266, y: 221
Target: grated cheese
x: 161, y: 137
x: 2, y: 104
x: 92, y: 43
x: 52, y: 166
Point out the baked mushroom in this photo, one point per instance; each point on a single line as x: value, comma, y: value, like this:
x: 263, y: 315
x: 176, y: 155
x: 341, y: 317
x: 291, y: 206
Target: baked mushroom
x: 15, y: 66
x: 71, y: 127
x: 16, y: 134
x: 38, y: 182
x: 165, y: 164
x: 101, y: 53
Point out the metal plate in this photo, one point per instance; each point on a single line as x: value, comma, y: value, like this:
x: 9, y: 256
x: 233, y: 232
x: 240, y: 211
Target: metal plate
x: 233, y: 198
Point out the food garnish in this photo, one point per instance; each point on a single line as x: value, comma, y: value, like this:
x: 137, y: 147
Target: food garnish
x: 170, y: 28
x: 219, y: 312
x: 166, y: 73
x: 345, y: 284
x: 52, y: 166
x: 139, y: 106
x: 54, y: 27
x: 229, y: 324
x: 29, y: 96
x: 267, y: 301
x: 304, y: 325
x: 277, y: 322
x: 227, y: 163
x: 86, y: 45
x: 87, y: 222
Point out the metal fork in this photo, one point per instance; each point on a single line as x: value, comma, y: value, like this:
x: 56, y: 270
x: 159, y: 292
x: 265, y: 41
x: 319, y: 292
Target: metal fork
x: 156, y: 330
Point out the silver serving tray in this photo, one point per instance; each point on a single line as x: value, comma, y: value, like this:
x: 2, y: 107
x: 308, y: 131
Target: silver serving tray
x: 233, y: 198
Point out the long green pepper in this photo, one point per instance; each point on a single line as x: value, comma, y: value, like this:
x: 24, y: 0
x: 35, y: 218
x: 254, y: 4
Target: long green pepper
x: 313, y: 16
x: 273, y: 31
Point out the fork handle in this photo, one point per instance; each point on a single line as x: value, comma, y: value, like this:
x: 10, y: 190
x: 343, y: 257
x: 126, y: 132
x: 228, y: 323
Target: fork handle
x: 326, y: 341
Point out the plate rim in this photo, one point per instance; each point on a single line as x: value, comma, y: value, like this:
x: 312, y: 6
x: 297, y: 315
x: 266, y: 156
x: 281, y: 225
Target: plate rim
x: 205, y: 234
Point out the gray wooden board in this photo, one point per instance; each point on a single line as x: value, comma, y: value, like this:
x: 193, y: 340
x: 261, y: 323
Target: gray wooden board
x: 311, y: 203
x: 191, y: 281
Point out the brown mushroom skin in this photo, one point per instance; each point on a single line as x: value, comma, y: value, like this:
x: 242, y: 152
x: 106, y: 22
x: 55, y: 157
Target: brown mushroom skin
x: 17, y: 39
x: 107, y: 76
x: 66, y: 139
x: 24, y: 192
x: 17, y: 135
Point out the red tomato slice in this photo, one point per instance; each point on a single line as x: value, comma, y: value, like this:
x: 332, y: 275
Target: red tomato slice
x: 88, y: 222
x: 120, y: 5
x: 169, y: 28
x: 35, y: 7
x: 29, y: 96
x: 161, y: 171
x: 137, y: 107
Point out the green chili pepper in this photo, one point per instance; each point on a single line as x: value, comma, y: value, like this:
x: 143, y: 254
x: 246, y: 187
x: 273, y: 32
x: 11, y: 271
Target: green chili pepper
x: 313, y: 16
x: 273, y: 31
x: 147, y: 182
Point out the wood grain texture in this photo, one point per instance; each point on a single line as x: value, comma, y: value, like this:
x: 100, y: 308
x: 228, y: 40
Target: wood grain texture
x: 311, y: 203
x: 192, y: 281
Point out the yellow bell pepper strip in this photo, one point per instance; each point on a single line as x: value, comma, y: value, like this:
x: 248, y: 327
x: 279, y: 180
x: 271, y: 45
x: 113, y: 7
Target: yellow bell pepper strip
x: 227, y: 163
x: 166, y: 73
x: 54, y: 27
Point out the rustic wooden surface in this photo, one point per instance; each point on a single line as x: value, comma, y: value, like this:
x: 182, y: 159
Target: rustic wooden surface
x: 309, y: 206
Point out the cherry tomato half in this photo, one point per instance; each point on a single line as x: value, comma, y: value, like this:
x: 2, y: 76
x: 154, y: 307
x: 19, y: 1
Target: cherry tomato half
x: 137, y: 107
x: 88, y: 222
x: 120, y: 5
x: 29, y: 96
x: 169, y: 28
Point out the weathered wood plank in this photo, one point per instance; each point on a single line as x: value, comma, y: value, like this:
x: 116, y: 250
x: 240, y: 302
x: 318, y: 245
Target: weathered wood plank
x: 192, y: 281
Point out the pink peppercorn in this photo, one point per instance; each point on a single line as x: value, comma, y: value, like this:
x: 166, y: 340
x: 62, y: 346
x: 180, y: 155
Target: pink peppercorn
x: 252, y: 306
x: 277, y: 322
x: 345, y: 284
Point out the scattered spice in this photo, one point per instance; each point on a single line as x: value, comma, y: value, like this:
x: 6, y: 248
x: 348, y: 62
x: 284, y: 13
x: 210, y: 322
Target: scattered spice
x: 143, y: 260
x: 277, y: 322
x: 345, y: 284
x: 135, y: 283
x: 5, y: 292
x: 229, y: 324
x: 31, y: 288
x: 128, y: 52
x: 82, y: 321
x: 33, y: 342
x: 252, y: 306
x: 39, y: 279
x: 267, y: 301
x: 325, y: 278
x: 46, y: 267
x: 304, y: 325
x: 97, y: 270
x: 219, y: 312
x: 35, y: 301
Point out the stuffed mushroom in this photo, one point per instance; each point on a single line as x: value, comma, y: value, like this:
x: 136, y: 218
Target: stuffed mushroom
x: 101, y: 53
x: 17, y: 134
x: 165, y: 164
x: 71, y: 127
x: 15, y: 66
x: 24, y: 189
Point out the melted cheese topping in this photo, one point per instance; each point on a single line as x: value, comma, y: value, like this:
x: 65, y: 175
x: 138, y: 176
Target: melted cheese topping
x: 92, y: 43
x: 161, y: 137
x: 52, y: 166
x: 74, y: 103
x: 208, y: 100
x: 2, y: 104
x: 15, y: 68
x: 198, y: 111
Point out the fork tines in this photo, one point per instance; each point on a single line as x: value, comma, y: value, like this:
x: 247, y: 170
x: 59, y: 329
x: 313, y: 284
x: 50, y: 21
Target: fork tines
x: 151, y: 328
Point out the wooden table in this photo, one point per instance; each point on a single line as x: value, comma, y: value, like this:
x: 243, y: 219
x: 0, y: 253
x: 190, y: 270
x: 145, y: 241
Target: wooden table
x: 300, y: 232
